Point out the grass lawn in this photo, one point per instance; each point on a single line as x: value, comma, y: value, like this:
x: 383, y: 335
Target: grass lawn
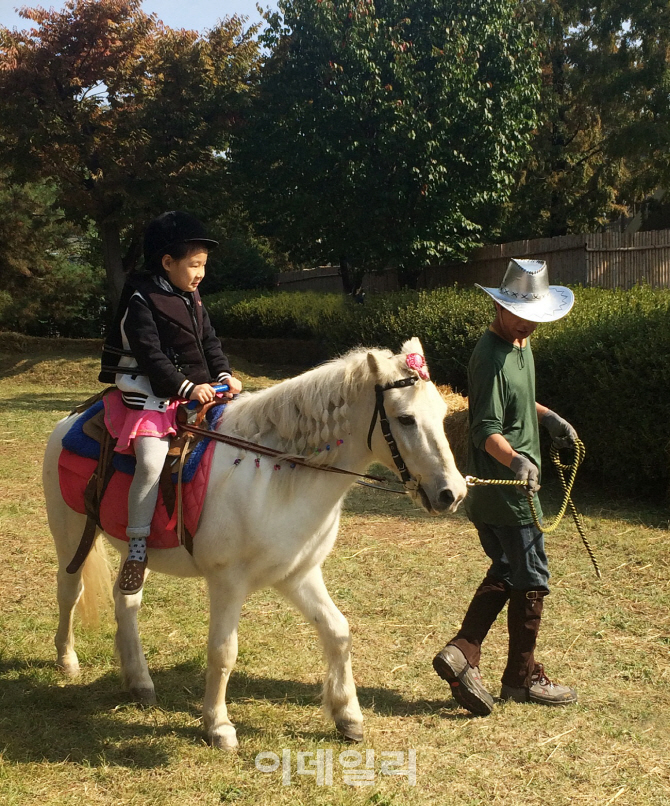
x: 403, y: 580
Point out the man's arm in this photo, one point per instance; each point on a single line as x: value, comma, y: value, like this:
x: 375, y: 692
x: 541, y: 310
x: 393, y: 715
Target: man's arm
x: 524, y: 470
x: 561, y: 432
x: 541, y: 411
x: 499, y: 448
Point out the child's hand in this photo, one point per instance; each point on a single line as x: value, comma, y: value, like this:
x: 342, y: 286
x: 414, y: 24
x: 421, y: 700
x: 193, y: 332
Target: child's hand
x: 203, y: 393
x: 235, y: 385
x: 234, y: 388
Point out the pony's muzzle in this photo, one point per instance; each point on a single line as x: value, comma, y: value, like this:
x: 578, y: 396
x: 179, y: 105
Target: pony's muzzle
x: 448, y: 499
x: 445, y: 500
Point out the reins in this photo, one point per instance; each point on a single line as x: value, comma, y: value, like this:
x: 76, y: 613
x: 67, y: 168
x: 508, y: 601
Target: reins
x: 254, y: 447
x: 580, y: 452
x: 409, y: 483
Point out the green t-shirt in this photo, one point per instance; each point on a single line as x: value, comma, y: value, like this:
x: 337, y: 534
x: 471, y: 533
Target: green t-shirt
x: 501, y: 399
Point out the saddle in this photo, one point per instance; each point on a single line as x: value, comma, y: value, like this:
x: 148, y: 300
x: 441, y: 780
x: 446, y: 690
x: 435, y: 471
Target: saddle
x: 99, y: 444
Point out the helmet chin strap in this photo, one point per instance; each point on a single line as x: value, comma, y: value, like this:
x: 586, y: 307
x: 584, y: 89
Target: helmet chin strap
x: 410, y: 483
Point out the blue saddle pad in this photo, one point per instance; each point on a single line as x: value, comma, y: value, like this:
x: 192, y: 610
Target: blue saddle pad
x: 80, y: 443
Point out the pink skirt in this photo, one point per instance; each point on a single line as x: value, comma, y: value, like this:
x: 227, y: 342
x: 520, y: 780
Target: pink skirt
x: 124, y: 424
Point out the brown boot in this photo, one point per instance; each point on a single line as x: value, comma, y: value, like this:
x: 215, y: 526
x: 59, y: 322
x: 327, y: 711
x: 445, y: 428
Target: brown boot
x: 465, y: 681
x: 487, y: 602
x: 523, y: 624
x: 458, y: 662
x: 541, y: 690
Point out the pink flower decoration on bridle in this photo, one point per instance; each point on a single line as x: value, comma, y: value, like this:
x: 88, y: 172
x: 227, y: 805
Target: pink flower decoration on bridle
x: 417, y: 362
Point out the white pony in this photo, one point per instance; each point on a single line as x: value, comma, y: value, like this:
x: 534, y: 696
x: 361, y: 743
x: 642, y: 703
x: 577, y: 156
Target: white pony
x: 261, y: 527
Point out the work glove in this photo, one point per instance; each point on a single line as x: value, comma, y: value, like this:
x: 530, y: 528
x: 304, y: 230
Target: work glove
x: 524, y: 470
x: 562, y: 434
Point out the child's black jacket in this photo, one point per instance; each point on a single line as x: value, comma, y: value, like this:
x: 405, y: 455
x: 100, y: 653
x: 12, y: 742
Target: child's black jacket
x: 170, y: 337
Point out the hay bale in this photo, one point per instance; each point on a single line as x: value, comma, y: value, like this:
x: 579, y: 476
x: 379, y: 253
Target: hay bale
x: 456, y: 424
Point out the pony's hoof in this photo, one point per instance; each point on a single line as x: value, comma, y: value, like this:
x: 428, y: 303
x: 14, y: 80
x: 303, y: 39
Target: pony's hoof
x: 69, y: 668
x: 224, y: 739
x: 351, y: 731
x: 144, y: 695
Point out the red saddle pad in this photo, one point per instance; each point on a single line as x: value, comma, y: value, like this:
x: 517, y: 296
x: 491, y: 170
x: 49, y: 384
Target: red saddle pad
x: 74, y: 472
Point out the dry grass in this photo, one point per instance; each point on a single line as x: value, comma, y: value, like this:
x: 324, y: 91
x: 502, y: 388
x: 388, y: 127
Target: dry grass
x: 403, y: 580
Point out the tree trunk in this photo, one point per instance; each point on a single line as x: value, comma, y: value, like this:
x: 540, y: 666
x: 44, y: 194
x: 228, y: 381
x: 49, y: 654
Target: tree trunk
x: 113, y: 261
x: 352, y: 278
x: 558, y: 224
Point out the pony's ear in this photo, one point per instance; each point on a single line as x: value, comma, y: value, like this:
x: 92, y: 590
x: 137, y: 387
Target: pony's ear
x: 373, y: 364
x: 412, y: 345
x: 412, y: 355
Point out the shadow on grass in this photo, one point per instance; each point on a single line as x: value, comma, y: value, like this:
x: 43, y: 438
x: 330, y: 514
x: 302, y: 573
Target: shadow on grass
x: 96, y: 724
x: 383, y: 701
x: 15, y: 365
x: 41, y: 401
x: 597, y: 501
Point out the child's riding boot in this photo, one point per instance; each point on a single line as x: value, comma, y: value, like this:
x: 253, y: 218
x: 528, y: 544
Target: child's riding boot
x: 134, y: 568
x: 524, y: 680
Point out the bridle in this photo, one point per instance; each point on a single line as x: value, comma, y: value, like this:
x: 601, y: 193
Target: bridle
x: 409, y: 483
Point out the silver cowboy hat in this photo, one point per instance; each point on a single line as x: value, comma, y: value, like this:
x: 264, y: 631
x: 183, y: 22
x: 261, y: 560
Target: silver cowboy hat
x: 525, y: 292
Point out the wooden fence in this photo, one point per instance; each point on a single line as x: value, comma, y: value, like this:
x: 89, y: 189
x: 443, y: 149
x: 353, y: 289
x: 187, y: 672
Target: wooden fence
x: 604, y: 259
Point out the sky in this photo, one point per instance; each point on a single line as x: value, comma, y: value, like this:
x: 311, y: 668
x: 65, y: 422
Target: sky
x: 196, y: 14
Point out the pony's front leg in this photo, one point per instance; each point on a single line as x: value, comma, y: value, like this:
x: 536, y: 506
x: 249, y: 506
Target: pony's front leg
x: 134, y: 669
x: 308, y: 593
x: 225, y: 600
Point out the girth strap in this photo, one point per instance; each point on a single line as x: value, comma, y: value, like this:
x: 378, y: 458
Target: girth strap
x: 95, y: 489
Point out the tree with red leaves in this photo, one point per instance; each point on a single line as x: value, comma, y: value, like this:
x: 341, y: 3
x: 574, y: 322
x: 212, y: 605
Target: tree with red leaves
x: 128, y: 116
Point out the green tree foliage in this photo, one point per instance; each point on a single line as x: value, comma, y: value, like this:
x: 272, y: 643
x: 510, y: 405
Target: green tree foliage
x: 129, y: 116
x: 382, y: 128
x: 48, y: 286
x: 241, y: 261
x: 604, y: 138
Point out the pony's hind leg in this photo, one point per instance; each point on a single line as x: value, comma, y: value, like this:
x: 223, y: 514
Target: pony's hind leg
x: 66, y: 527
x: 70, y: 588
x: 134, y: 669
x: 308, y: 593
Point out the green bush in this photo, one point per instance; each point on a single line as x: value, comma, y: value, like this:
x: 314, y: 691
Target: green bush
x: 267, y: 315
x: 605, y: 367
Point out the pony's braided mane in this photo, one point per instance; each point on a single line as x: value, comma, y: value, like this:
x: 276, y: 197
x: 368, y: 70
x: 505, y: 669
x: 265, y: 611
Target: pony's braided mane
x: 303, y: 413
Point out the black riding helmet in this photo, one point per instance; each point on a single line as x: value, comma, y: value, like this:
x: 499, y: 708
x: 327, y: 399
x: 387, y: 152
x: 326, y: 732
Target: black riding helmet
x: 171, y: 229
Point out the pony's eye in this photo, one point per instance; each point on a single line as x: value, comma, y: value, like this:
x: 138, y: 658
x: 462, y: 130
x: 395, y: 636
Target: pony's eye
x: 406, y: 419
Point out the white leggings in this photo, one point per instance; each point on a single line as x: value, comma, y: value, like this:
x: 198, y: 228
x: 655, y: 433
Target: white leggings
x: 150, y: 453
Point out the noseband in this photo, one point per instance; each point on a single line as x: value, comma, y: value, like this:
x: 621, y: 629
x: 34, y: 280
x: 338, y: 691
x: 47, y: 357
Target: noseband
x: 380, y: 412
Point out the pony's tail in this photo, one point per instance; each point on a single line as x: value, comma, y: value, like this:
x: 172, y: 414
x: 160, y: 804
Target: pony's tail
x: 97, y: 597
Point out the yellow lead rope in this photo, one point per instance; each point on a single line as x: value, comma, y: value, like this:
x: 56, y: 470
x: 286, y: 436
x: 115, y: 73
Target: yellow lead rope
x: 561, y: 468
